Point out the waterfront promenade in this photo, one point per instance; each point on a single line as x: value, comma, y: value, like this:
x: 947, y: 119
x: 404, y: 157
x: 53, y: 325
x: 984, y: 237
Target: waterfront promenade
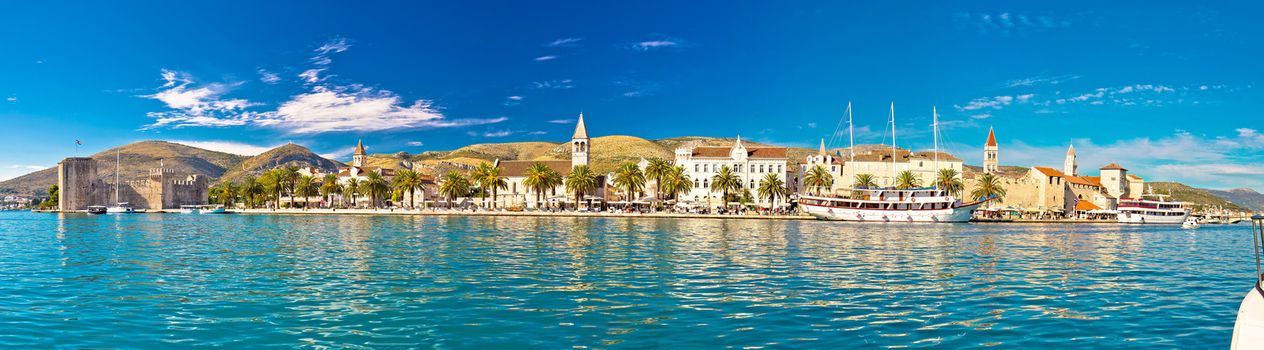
x: 448, y: 212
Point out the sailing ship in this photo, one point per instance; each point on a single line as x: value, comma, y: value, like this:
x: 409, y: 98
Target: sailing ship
x: 118, y: 207
x: 927, y: 205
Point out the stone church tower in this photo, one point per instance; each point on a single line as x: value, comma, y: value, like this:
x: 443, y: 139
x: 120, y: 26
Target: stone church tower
x: 357, y: 160
x: 991, y: 165
x: 1069, y: 166
x: 579, y: 144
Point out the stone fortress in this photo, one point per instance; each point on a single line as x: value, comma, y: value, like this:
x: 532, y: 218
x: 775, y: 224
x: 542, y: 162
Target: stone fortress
x: 80, y: 186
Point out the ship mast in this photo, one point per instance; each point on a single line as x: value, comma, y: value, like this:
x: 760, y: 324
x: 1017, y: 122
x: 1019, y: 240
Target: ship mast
x: 851, y: 145
x: 935, y: 125
x: 893, y: 144
x: 118, y: 158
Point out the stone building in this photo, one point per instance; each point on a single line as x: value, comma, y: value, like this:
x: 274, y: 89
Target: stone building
x: 878, y: 163
x: 515, y: 173
x: 750, y: 164
x: 80, y: 187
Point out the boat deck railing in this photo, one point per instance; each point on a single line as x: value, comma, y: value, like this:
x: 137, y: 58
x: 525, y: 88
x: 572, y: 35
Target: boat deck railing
x: 1257, y: 236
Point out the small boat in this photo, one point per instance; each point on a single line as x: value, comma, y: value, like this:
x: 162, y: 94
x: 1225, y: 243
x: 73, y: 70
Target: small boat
x: 96, y: 209
x: 1190, y: 223
x: 120, y: 208
x: 1248, y: 330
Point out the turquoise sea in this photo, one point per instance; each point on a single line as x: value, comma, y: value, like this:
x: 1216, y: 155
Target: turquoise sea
x: 184, y: 281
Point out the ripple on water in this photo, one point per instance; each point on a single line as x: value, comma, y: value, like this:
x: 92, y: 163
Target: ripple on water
x: 158, y: 281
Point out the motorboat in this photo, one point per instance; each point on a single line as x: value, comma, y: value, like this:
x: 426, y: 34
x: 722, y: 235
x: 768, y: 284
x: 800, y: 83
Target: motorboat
x: 96, y: 209
x: 1248, y: 330
x: 202, y: 209
x: 120, y: 208
x: 1190, y: 223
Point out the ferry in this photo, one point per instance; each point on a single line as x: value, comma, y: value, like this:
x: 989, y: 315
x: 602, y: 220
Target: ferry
x: 201, y: 209
x: 1152, y: 209
x: 927, y: 205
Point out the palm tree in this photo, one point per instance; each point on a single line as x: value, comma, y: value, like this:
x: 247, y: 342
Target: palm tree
x: 454, y: 185
x: 537, y: 179
x: 250, y: 188
x: 226, y: 193
x: 305, y: 186
x: 376, y: 186
x: 353, y: 188
x: 989, y: 187
x: 675, y: 182
x: 630, y: 179
x: 906, y: 180
x: 865, y: 181
x: 817, y: 178
x: 725, y: 181
x: 772, y: 187
x: 581, y: 181
x: 274, y: 184
x: 290, y: 176
x: 488, y: 177
x: 329, y: 187
x: 949, y: 181
x: 657, y: 170
x: 409, y: 181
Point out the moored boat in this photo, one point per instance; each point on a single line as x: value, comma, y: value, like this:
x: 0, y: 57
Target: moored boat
x: 1248, y: 329
x: 1152, y: 209
x: 202, y: 209
x: 96, y: 209
x: 927, y: 205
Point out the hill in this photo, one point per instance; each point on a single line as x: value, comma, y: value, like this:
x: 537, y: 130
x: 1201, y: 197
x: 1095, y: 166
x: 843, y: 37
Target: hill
x: 1242, y: 196
x: 287, y: 155
x: 1199, y: 197
x: 136, y: 160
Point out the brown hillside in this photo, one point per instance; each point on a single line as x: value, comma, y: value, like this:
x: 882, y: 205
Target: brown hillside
x: 136, y: 161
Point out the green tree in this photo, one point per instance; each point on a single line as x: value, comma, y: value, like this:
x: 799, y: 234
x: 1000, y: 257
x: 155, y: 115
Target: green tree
x: 726, y: 182
x: 818, y: 177
x: 657, y: 170
x: 408, y: 181
x: 377, y: 187
x: 251, y: 189
x: 948, y: 180
x: 675, y: 182
x: 488, y: 178
x: 630, y: 179
x: 581, y: 181
x: 329, y: 186
x: 54, y: 194
x: 307, y: 187
x: 865, y: 181
x: 453, y: 186
x: 290, y: 176
x: 540, y: 178
x: 772, y: 187
x: 353, y: 188
x: 273, y: 182
x: 989, y: 187
x: 227, y: 193
x: 906, y: 180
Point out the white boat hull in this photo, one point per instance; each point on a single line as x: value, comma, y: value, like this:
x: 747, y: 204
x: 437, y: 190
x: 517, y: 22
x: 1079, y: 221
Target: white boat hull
x: 948, y: 215
x: 118, y: 210
x: 1248, y: 331
x: 1136, y: 218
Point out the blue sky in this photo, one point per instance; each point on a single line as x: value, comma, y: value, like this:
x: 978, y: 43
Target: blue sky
x: 1167, y: 90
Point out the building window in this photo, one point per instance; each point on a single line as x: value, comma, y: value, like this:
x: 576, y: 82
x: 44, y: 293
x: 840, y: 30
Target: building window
x: 695, y: 168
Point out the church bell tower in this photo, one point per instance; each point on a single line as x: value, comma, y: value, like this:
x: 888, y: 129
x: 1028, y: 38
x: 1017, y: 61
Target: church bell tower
x: 579, y: 144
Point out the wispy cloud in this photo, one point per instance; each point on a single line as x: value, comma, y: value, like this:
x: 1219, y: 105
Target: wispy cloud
x: 554, y: 84
x: 996, y: 102
x: 231, y: 147
x: 565, y: 42
x: 27, y: 167
x: 1041, y: 80
x: 323, y: 108
x: 268, y: 77
x: 322, y: 59
x: 11, y: 99
x: 415, y: 143
x: 1006, y: 23
x: 341, y: 153
x: 656, y: 44
x: 537, y: 132
x: 562, y: 121
x: 513, y: 100
x: 491, y: 134
x: 545, y: 58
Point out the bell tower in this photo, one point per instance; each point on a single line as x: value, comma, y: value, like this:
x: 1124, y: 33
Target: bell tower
x: 579, y: 144
x: 357, y: 160
x: 991, y: 165
x: 1069, y: 166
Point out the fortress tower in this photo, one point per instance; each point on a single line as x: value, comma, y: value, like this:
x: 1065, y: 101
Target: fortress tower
x: 77, y: 184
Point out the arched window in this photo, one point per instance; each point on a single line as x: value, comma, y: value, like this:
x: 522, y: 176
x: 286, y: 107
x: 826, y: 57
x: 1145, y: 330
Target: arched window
x: 706, y: 183
x: 696, y: 184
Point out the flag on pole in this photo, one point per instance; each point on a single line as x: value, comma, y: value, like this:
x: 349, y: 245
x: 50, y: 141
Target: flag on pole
x: 78, y: 143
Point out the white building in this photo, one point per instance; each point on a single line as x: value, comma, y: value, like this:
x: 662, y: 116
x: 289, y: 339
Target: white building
x: 515, y: 173
x: 749, y: 164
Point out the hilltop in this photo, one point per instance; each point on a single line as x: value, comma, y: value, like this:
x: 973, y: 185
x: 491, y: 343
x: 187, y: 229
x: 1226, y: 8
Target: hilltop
x: 136, y: 160
x: 286, y: 155
x: 1242, y: 196
x: 1199, y: 197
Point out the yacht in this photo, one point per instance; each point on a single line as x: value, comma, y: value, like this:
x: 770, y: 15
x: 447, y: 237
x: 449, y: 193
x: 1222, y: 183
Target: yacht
x: 1152, y: 209
x: 1190, y: 223
x: 118, y: 207
x: 202, y: 209
x: 927, y: 205
x: 1248, y: 330
x: 96, y: 209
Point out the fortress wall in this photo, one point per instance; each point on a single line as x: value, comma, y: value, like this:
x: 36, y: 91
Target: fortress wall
x: 77, y: 184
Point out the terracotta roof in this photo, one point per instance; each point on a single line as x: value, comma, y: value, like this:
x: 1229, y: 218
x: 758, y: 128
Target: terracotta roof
x: 1096, y: 180
x: 1049, y: 171
x: 1131, y: 176
x: 346, y: 171
x: 751, y: 152
x: 359, y: 147
x: 883, y: 156
x: 991, y: 138
x: 1113, y: 166
x: 1084, y: 205
x: 1083, y: 180
x: 931, y: 155
x: 518, y: 168
x: 581, y: 131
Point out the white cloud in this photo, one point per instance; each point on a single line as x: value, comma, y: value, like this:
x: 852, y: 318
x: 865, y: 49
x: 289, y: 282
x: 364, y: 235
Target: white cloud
x: 335, y: 45
x: 500, y: 133
x: 11, y: 99
x: 1006, y: 23
x: 562, y: 121
x: 513, y: 100
x: 565, y: 42
x: 196, y: 105
x: 415, y: 143
x: 311, y: 75
x: 359, y: 109
x: 537, y: 132
x: 1041, y: 80
x: 28, y: 167
x: 545, y: 58
x: 981, y: 116
x: 989, y: 102
x: 231, y: 147
x: 655, y: 44
x: 554, y: 84
x: 341, y: 153
x: 268, y: 77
